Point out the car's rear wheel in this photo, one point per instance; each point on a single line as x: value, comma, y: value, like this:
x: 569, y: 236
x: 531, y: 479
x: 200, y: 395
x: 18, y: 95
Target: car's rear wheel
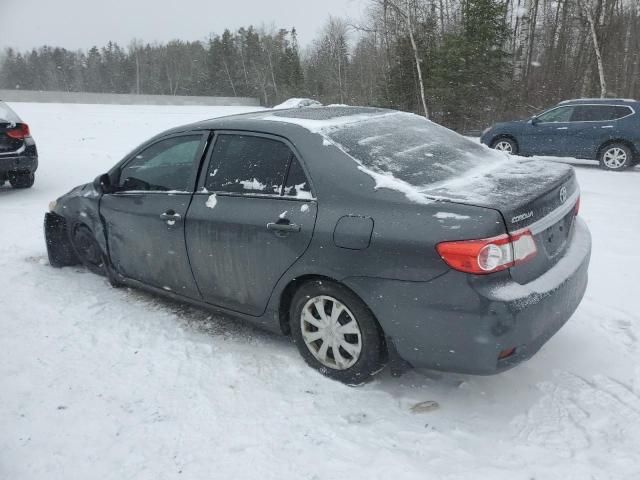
x: 22, y: 180
x: 505, y: 144
x: 616, y: 157
x: 336, y: 333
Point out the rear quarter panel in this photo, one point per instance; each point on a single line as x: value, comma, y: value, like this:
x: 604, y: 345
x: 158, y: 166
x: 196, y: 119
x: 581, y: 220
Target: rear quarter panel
x: 405, y: 234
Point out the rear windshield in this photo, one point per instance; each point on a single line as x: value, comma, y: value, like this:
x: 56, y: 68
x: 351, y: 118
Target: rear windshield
x: 7, y: 115
x: 411, y: 148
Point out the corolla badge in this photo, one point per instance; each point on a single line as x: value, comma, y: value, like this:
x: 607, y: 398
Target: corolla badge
x: 563, y: 194
x: 524, y: 216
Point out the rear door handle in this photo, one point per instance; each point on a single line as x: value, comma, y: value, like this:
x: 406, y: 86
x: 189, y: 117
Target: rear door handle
x: 283, y: 227
x: 563, y: 128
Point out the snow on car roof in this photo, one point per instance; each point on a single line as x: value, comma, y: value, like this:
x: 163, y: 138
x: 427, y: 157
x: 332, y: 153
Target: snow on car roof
x: 297, y: 103
x: 319, y: 119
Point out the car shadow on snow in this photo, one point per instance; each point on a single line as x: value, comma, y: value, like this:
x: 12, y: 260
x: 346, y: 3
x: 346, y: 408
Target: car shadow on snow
x: 215, y: 324
x: 414, y: 386
x: 7, y: 189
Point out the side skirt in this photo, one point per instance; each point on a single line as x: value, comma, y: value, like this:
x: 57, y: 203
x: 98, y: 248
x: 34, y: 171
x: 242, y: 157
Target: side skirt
x: 269, y: 321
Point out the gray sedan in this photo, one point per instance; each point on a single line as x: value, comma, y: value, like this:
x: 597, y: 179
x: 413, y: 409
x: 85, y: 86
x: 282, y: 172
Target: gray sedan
x: 367, y: 235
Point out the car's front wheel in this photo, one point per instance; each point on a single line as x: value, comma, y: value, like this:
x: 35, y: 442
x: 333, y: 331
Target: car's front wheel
x: 91, y: 255
x: 22, y: 180
x: 336, y: 333
x: 616, y: 157
x: 505, y: 144
x: 87, y: 249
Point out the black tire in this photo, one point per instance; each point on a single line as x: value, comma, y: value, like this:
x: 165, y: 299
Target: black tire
x: 616, y: 157
x: 512, y: 148
x: 22, y: 180
x: 91, y: 255
x: 59, y: 249
x: 372, y: 356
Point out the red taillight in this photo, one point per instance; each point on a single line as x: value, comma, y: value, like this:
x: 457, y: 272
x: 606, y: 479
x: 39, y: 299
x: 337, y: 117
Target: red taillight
x: 576, y: 209
x: 489, y: 255
x: 19, y: 132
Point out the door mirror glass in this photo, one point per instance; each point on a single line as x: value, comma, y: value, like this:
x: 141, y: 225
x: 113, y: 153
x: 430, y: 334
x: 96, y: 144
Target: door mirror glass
x: 102, y: 184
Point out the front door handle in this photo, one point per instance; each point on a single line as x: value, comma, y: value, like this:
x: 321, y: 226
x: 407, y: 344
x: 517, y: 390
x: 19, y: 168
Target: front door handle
x: 170, y: 217
x: 283, y: 227
x: 562, y: 128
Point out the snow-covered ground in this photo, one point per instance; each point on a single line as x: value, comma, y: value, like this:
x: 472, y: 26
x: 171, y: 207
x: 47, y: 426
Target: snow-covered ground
x: 97, y: 383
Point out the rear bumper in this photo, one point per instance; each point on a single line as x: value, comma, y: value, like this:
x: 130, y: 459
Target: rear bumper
x: 18, y: 164
x: 461, y: 323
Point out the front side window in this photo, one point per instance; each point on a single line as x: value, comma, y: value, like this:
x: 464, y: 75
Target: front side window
x: 248, y: 164
x: 168, y: 165
x: 561, y: 114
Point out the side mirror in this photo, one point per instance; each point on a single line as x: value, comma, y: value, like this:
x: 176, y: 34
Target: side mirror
x: 534, y: 121
x: 102, y: 184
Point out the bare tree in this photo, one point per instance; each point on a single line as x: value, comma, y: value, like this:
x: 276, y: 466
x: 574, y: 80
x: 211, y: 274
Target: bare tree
x: 406, y: 9
x: 587, y: 7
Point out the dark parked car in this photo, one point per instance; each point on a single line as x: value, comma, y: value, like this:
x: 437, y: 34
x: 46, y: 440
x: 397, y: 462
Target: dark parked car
x: 366, y: 234
x: 604, y: 130
x: 18, y: 153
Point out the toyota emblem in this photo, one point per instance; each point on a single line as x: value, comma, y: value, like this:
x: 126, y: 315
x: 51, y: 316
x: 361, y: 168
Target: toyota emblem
x: 563, y: 194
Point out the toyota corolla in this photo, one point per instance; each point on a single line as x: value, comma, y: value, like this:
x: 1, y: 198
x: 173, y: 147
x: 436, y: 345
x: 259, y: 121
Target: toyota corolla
x: 367, y: 235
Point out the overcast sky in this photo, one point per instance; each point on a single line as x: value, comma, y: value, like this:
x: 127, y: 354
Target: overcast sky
x: 83, y: 23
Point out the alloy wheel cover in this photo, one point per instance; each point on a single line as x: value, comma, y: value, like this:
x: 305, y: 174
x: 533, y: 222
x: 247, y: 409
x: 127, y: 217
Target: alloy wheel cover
x: 330, y: 332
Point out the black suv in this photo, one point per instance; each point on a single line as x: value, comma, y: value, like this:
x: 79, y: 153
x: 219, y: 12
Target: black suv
x: 607, y: 130
x: 18, y: 153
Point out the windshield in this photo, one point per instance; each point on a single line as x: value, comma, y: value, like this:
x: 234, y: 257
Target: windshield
x: 411, y: 148
x: 7, y: 115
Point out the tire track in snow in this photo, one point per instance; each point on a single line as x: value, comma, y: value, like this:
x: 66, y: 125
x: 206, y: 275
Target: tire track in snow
x: 573, y: 419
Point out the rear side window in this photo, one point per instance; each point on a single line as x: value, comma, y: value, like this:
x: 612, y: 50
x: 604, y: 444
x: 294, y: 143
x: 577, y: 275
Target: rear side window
x: 248, y: 164
x: 297, y: 184
x: 561, y: 114
x: 168, y: 165
x: 599, y: 113
x: 620, y: 112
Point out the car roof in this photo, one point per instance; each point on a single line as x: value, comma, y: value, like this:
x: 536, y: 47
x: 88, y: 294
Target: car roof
x: 597, y: 101
x: 280, y: 122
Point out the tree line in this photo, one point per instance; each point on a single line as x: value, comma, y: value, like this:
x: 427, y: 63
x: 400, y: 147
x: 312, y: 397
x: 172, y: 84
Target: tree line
x: 464, y: 63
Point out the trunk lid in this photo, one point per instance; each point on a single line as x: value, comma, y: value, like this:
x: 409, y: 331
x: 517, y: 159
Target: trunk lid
x: 529, y: 194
